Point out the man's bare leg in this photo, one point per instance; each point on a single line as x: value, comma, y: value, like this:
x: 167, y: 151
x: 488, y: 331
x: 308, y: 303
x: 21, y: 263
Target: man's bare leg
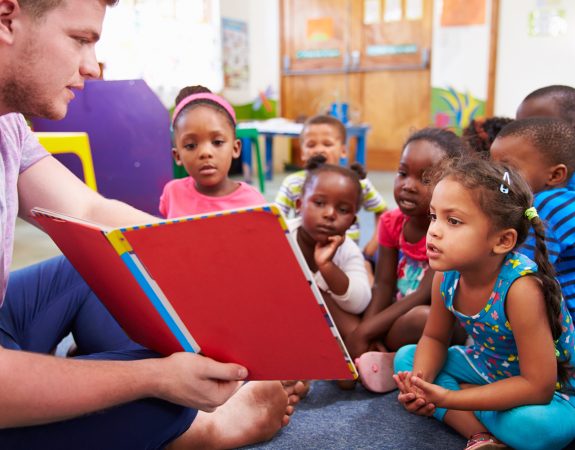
x: 255, y: 413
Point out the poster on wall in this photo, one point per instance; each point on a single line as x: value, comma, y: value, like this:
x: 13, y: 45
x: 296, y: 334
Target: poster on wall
x: 548, y: 19
x: 371, y: 12
x: 393, y: 11
x: 457, y: 13
x: 235, y: 54
x: 460, y: 62
x: 138, y: 42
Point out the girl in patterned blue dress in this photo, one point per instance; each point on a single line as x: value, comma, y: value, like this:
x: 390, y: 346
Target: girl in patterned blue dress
x: 514, y: 384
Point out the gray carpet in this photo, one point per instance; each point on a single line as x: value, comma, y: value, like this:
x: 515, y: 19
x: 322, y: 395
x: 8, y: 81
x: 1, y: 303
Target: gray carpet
x: 329, y: 418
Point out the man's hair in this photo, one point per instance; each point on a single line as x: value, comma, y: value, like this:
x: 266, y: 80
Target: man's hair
x: 38, y: 8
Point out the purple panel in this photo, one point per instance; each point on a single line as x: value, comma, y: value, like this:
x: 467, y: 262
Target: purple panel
x: 129, y: 130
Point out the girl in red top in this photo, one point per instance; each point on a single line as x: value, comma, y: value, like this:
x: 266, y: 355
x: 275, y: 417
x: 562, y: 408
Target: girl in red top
x: 402, y: 287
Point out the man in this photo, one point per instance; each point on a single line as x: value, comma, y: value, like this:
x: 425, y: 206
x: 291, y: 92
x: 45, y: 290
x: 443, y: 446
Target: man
x: 118, y: 394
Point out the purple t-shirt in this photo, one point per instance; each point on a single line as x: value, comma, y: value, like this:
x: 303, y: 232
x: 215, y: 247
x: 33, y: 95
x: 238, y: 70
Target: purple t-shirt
x: 19, y: 149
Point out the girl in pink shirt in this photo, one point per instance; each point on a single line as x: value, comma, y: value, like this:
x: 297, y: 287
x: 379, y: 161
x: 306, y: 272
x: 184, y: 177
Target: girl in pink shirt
x: 205, y: 144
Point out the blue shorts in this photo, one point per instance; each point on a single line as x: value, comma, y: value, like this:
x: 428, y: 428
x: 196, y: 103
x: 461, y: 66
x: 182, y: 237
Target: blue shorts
x: 46, y: 302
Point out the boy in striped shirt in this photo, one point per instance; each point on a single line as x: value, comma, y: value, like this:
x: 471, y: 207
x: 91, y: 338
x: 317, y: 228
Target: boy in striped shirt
x: 541, y: 149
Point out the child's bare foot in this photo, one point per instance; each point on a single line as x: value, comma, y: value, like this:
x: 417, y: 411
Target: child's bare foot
x: 296, y: 390
x: 376, y: 371
x: 255, y: 413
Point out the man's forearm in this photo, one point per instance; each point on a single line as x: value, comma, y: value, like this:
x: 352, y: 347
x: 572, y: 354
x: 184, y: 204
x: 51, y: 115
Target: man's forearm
x: 37, y: 389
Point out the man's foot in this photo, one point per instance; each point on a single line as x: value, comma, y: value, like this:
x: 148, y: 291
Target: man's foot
x: 376, y: 371
x: 296, y: 390
x: 255, y: 413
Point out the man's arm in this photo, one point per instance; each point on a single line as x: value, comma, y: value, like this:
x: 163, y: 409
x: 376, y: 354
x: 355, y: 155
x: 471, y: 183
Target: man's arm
x: 39, y: 389
x: 49, y: 184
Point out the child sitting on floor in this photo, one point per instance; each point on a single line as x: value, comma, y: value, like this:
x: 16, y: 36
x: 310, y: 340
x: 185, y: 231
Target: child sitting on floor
x: 542, y: 150
x: 326, y: 135
x: 205, y: 143
x: 550, y: 101
x: 402, y: 288
x: 513, y: 386
x: 204, y: 127
x: 329, y: 200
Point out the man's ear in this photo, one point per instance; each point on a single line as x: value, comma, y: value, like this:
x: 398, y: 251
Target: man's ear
x: 505, y: 241
x: 176, y: 156
x: 558, y: 175
x: 9, y: 9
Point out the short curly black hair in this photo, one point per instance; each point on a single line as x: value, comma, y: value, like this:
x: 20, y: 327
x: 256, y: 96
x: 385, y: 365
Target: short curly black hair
x: 554, y: 138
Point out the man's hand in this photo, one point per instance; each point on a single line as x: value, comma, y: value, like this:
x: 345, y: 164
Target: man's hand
x: 197, y: 381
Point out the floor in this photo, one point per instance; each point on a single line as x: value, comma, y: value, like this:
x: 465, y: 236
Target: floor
x: 32, y: 245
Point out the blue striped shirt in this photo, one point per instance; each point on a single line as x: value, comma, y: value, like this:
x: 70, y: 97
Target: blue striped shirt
x: 556, y: 207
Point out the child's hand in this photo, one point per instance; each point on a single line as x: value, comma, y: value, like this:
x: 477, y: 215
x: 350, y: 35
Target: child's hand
x: 433, y: 393
x: 323, y: 253
x: 412, y: 397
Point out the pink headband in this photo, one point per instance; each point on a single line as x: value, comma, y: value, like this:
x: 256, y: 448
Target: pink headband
x: 203, y: 96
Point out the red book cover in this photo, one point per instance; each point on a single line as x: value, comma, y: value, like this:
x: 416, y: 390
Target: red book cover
x: 231, y: 285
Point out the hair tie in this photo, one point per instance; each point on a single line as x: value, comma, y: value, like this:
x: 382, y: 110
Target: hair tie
x: 204, y: 96
x: 531, y: 213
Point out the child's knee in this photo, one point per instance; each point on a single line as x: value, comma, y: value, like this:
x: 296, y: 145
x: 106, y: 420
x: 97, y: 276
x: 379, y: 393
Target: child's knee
x: 404, y: 358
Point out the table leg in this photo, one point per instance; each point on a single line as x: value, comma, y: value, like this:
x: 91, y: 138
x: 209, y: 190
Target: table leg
x: 269, y: 157
x: 247, y: 159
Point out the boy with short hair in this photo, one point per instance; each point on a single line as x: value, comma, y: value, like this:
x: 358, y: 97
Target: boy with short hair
x: 541, y: 149
x: 325, y: 135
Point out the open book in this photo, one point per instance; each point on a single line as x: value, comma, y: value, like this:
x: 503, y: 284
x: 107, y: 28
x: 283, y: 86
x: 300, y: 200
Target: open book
x: 232, y: 285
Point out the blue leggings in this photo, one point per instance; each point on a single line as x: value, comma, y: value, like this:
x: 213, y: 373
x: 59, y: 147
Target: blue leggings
x: 550, y: 426
x: 43, y: 304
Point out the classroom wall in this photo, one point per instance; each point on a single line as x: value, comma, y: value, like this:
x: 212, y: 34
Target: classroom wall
x: 262, y: 18
x: 528, y: 59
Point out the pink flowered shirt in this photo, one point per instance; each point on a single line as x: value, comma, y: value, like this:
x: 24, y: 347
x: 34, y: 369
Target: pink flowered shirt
x: 412, y: 263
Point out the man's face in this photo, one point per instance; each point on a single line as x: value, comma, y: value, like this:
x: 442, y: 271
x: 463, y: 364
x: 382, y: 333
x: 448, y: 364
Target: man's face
x: 49, y: 57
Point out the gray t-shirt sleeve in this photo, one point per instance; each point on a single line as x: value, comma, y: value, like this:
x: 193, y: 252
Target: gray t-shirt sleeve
x: 32, y: 151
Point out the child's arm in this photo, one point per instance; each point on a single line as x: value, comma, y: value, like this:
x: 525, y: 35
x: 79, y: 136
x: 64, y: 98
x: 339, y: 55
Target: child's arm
x: 430, y: 353
x: 434, y: 342
x: 377, y: 326
x: 348, y: 284
x: 385, y: 281
x: 535, y: 384
x: 372, y: 201
x: 371, y: 247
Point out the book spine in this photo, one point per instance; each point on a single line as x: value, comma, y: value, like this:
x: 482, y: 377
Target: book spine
x: 152, y: 291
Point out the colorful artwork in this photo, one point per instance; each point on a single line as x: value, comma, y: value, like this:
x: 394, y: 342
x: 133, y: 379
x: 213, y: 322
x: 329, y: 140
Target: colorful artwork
x: 457, y: 13
x: 547, y: 22
x: 320, y: 30
x: 235, y: 54
x: 455, y: 110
